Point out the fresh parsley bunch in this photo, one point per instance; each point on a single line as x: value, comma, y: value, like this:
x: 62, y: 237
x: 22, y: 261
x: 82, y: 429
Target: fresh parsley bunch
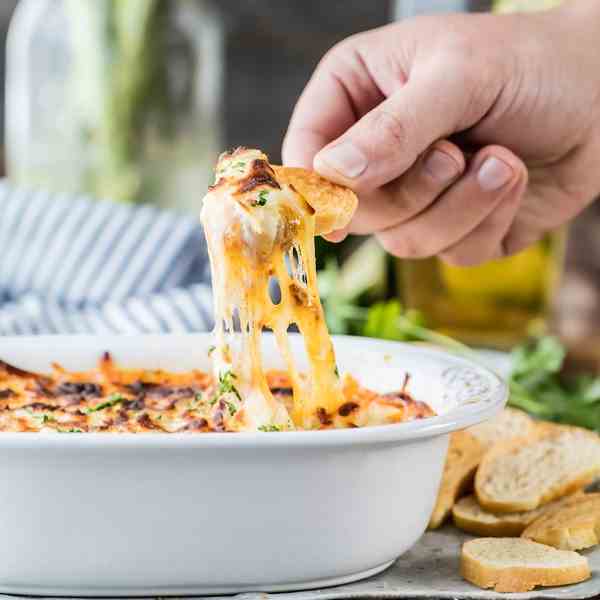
x: 537, y: 387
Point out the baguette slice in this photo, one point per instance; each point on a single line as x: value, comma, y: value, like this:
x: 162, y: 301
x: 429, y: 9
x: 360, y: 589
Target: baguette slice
x: 464, y: 454
x: 334, y: 204
x: 525, y: 473
x: 510, y: 423
x: 574, y: 525
x: 470, y: 517
x: 519, y: 565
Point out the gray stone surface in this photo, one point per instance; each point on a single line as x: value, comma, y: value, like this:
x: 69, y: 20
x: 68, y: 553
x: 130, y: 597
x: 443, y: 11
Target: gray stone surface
x: 431, y: 570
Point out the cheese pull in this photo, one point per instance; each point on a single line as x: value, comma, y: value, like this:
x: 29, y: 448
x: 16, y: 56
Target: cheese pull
x: 260, y: 224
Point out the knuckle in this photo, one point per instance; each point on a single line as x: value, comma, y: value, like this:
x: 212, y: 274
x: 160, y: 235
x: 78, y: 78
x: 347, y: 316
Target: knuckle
x: 389, y: 131
x: 404, y: 200
x: 339, y: 52
x: 464, y: 257
x: 403, y: 246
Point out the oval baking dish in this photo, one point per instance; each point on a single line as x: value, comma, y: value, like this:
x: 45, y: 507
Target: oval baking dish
x: 159, y: 514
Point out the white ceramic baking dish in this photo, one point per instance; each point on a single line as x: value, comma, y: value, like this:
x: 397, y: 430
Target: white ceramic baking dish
x: 160, y: 514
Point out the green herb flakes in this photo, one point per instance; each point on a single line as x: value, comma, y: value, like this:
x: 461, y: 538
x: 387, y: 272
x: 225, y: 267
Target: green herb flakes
x: 113, y: 399
x: 226, y: 384
x: 263, y: 196
x: 268, y: 428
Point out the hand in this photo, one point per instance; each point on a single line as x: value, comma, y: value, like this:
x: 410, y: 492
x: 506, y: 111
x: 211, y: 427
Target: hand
x: 465, y: 136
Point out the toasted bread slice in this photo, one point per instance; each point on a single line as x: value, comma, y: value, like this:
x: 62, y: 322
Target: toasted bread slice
x: 464, y: 454
x: 509, y: 424
x: 519, y: 565
x: 525, y: 473
x: 470, y: 517
x: 574, y: 525
x: 334, y: 204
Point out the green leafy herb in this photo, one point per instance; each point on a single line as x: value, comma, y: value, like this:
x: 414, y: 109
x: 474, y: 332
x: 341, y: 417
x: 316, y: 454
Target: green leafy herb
x: 268, y: 428
x: 72, y: 430
x: 239, y: 166
x: 226, y: 386
x: 231, y: 407
x: 336, y: 371
x: 262, y: 198
x: 196, y: 402
x: 43, y: 418
x: 112, y: 400
x: 537, y: 387
x: 211, y: 349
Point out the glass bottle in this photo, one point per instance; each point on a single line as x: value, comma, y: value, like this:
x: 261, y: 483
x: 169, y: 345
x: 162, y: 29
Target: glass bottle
x: 115, y: 98
x: 497, y: 304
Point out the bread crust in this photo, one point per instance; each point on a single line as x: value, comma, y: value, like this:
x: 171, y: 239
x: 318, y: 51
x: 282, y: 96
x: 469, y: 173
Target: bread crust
x: 487, y: 471
x: 472, y: 518
x: 508, y: 424
x: 574, y: 525
x: 464, y: 455
x: 518, y: 579
x: 334, y: 204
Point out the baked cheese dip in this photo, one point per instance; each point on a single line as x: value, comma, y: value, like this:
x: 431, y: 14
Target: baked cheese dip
x: 260, y: 222
x: 110, y: 399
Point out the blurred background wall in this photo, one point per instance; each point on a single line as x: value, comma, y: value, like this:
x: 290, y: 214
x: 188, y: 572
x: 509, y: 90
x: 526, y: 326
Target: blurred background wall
x: 272, y: 47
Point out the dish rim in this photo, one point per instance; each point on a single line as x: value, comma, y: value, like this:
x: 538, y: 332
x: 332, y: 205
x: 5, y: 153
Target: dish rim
x: 457, y: 418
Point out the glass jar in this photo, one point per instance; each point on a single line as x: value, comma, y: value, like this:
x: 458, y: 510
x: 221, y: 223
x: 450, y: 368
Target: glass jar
x: 115, y: 99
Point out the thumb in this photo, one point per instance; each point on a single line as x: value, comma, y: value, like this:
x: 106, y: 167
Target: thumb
x: 380, y: 147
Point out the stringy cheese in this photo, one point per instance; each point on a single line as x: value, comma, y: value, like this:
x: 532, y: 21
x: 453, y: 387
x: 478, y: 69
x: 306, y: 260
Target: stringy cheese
x: 258, y: 228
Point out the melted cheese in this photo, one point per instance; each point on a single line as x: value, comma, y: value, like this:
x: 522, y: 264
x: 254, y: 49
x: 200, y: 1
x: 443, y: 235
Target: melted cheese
x: 258, y: 228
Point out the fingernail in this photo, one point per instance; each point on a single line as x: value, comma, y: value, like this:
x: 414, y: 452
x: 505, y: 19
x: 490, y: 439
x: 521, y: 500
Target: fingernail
x: 345, y: 158
x: 494, y: 174
x: 440, y: 166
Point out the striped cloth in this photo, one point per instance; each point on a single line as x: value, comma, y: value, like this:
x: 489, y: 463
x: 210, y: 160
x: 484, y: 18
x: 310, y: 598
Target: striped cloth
x: 74, y: 265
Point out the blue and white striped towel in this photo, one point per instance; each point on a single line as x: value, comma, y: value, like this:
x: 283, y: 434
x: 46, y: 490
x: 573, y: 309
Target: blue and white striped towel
x: 74, y: 265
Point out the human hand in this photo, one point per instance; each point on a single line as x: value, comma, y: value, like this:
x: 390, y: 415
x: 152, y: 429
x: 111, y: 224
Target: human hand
x: 465, y: 136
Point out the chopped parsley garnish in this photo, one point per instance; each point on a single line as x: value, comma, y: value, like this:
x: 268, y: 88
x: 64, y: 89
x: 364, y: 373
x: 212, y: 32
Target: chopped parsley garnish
x: 336, y: 371
x: 45, y: 418
x: 112, y: 400
x: 195, y: 403
x: 211, y: 349
x: 268, y: 428
x: 239, y: 165
x: 262, y: 198
x: 226, y: 384
x: 72, y: 430
x: 232, y: 408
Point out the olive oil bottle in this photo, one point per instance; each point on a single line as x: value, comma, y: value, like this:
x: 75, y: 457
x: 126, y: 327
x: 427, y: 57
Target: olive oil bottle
x: 497, y: 304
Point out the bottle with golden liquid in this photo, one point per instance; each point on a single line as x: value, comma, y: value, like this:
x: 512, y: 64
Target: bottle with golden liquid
x: 497, y: 304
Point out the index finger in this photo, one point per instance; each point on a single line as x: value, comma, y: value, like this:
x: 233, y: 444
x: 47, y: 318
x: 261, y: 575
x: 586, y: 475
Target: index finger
x: 337, y: 95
